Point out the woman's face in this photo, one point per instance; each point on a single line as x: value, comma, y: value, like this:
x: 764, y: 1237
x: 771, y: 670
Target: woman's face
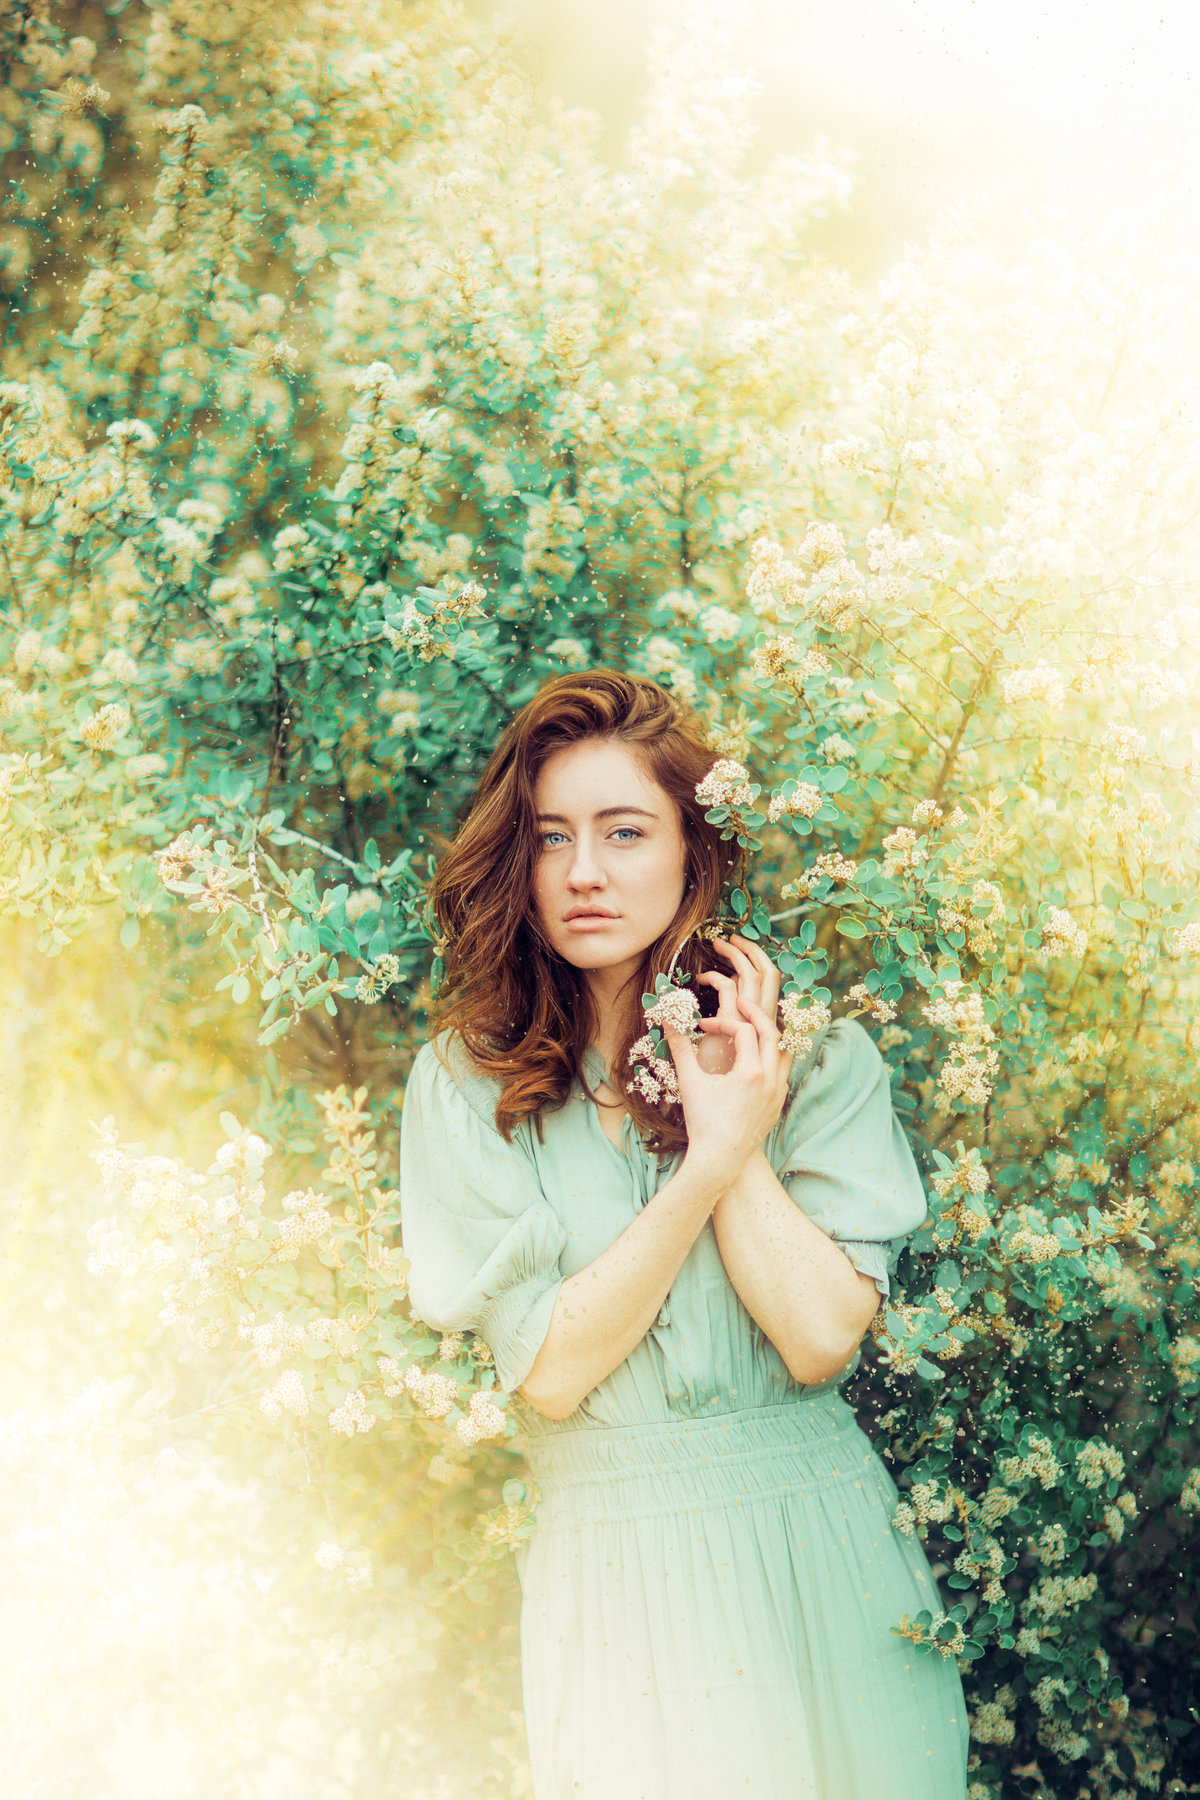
x: 612, y: 867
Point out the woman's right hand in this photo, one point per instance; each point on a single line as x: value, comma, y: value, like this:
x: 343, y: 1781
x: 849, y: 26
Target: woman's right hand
x: 729, y: 1114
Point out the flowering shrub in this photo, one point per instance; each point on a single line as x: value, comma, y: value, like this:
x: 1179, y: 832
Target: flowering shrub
x: 344, y: 400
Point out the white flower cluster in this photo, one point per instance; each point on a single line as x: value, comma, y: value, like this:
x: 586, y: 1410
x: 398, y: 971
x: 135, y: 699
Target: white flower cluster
x: 1096, y: 1461
x: 1038, y: 1463
x: 719, y: 625
x: 990, y: 1721
x: 996, y: 1504
x: 969, y: 1175
x: 804, y: 802
x: 1050, y: 1545
x: 483, y: 1420
x: 434, y: 1392
x: 292, y: 547
x: 272, y: 1337
x: 1057, y: 1736
x: 801, y: 1023
x: 653, y: 1076
x: 352, y: 1415
x: 132, y: 434
x: 904, y: 852
x: 983, y: 928
x: 361, y: 902
x: 306, y: 1221
x: 1032, y: 1239
x: 1184, y: 1356
x: 772, y: 582
x: 119, y: 666
x: 104, y: 730
x: 245, y: 1150
x: 571, y: 650
x: 1124, y: 743
x: 772, y: 661
x: 1186, y: 941
x: 1189, y: 1493
x: 402, y: 708
x: 881, y: 1010
x: 831, y: 865
x: 678, y: 1008
x: 726, y: 784
x: 287, y: 1394
x: 378, y: 979
x: 837, y: 749
x: 969, y: 1070
x: 932, y: 1504
x: 1061, y: 936
x: 1041, y: 683
x: 1056, y: 1595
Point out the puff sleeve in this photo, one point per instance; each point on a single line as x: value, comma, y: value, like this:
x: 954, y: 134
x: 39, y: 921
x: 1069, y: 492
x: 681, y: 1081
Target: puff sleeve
x: 842, y: 1154
x: 482, y: 1241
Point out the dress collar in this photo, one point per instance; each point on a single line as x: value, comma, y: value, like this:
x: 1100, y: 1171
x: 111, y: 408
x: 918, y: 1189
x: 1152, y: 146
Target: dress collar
x: 593, y: 1068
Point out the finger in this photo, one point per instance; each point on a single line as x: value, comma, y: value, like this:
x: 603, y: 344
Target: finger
x: 747, y: 1046
x: 679, y: 1044
x: 748, y: 960
x: 722, y: 1027
x: 749, y: 977
x: 756, y: 955
x: 726, y: 989
x: 768, y: 1032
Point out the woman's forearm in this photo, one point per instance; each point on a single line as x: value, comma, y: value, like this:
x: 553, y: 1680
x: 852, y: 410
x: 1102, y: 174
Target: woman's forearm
x: 793, y: 1280
x: 604, y: 1311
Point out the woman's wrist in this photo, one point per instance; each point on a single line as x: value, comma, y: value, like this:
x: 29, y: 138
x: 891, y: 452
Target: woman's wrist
x: 716, y: 1166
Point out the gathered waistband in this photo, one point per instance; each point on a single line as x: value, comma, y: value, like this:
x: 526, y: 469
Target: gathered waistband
x: 715, y: 1454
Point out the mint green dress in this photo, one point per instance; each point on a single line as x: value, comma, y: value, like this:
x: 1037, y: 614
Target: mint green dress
x: 708, y: 1593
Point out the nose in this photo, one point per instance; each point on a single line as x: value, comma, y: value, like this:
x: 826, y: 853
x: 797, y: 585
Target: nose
x: 585, y: 870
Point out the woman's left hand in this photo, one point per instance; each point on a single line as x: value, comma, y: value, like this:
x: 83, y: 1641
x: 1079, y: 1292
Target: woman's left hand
x: 751, y: 992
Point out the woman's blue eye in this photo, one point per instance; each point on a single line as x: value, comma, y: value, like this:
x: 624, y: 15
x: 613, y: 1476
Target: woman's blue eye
x: 627, y: 831
x: 547, y: 835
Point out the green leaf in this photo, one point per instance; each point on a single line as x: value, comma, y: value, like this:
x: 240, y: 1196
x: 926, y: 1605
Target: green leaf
x: 850, y: 927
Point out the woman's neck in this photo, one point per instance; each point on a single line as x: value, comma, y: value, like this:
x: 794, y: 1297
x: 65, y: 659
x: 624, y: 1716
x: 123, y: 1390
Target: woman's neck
x: 611, y: 992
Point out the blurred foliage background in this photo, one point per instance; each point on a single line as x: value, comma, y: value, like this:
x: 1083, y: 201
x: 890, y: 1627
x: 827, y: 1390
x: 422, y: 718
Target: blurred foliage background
x: 351, y: 384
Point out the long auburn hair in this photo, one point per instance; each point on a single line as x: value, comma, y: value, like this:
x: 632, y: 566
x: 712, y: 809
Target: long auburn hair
x: 522, y: 1011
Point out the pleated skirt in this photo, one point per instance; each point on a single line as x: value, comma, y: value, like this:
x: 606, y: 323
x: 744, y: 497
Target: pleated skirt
x: 706, y: 1612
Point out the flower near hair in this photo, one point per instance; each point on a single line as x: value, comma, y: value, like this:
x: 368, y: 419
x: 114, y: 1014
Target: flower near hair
x: 653, y: 1075
x: 677, y: 1007
x: 653, y: 1072
x: 726, y: 784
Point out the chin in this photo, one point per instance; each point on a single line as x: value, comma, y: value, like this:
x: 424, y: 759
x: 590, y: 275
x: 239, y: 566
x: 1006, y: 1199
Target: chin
x: 584, y: 956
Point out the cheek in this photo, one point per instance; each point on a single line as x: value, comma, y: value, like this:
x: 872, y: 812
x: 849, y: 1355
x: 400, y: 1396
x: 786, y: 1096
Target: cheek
x: 665, y: 880
x: 541, y: 886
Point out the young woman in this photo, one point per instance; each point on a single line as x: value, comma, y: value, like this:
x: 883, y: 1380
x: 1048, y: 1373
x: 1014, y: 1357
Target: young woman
x: 672, y: 1296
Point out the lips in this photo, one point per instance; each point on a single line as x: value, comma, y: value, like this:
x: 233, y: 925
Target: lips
x: 587, y: 912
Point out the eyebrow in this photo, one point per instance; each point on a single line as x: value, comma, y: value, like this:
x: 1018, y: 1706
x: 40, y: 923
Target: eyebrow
x: 608, y: 812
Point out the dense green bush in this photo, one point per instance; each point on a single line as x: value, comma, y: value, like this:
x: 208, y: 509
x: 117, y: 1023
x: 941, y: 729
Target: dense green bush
x: 345, y: 397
